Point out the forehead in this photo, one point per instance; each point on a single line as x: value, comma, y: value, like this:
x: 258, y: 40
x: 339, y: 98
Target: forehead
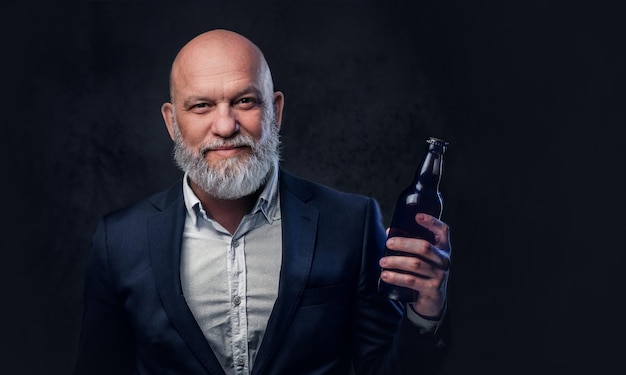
x: 214, y: 71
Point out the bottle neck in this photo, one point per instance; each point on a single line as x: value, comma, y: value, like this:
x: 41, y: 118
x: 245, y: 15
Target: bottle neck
x: 429, y: 175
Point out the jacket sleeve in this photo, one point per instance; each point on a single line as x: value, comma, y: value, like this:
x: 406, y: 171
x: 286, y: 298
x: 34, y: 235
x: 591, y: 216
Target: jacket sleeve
x: 387, y: 342
x: 105, y: 346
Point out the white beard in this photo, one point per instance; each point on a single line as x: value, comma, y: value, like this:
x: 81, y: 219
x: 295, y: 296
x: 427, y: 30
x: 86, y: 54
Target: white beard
x: 234, y: 177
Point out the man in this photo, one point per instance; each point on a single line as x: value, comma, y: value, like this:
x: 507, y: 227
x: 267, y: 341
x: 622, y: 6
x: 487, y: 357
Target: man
x: 243, y: 268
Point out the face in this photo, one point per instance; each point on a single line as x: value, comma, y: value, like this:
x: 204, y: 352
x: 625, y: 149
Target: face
x: 224, y: 120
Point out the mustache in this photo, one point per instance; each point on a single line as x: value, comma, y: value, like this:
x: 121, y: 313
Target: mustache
x: 238, y: 141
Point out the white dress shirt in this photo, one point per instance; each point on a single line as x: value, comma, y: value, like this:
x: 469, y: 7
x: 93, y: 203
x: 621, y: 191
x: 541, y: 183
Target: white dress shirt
x: 230, y: 282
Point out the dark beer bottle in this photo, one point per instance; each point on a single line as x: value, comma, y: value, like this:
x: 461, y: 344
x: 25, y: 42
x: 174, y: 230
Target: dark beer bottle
x: 422, y: 195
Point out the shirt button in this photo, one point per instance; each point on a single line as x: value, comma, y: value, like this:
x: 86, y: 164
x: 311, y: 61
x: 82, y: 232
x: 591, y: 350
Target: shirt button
x: 235, y: 243
x: 240, y: 361
x: 237, y: 300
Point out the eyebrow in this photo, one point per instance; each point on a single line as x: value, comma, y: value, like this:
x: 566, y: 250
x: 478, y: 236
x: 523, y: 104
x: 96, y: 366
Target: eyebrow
x: 187, y: 102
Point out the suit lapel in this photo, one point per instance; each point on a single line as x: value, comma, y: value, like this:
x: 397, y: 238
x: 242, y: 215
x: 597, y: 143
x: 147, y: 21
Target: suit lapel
x: 299, y: 221
x: 165, y: 231
x: 299, y: 226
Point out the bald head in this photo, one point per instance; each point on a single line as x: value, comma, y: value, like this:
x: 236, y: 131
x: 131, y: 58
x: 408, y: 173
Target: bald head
x: 213, y: 53
x: 223, y: 117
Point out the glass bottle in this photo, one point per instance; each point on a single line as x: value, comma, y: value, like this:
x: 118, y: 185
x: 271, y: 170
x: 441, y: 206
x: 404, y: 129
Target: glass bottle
x: 422, y: 195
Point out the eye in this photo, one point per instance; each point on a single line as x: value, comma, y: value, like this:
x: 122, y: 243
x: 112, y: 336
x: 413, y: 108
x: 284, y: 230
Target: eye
x: 247, y: 102
x: 200, y: 107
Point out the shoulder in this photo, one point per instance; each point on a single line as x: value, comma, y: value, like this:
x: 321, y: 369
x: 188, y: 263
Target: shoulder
x: 307, y: 189
x: 149, y: 206
x: 322, y: 196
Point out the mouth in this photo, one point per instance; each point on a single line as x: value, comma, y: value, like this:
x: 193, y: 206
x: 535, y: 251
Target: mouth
x: 224, y: 151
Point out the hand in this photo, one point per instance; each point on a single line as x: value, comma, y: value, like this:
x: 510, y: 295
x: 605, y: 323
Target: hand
x: 428, y: 267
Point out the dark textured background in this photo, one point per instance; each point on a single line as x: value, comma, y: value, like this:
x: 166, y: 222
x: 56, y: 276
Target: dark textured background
x: 530, y: 95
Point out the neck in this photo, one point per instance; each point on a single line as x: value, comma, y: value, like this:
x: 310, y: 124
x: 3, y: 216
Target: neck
x: 227, y: 212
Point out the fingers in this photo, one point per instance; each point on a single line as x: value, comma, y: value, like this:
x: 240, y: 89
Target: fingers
x: 414, y: 273
x: 439, y: 229
x: 432, y: 290
x: 434, y: 283
x: 420, y: 265
x: 411, y: 265
x: 419, y: 251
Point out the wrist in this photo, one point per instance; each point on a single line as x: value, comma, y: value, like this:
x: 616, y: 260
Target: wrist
x: 434, y: 316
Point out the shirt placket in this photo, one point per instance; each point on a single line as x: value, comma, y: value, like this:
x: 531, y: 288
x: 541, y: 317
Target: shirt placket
x: 239, y: 322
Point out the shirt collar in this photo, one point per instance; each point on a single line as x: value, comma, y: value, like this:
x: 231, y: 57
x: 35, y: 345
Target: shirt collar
x: 268, y: 202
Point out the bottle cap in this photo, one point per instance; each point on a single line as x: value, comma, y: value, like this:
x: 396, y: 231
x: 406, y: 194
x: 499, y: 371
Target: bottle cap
x: 437, y: 142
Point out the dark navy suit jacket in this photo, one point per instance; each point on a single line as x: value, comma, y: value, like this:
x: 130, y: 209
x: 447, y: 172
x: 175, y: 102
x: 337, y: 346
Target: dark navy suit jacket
x: 328, y: 316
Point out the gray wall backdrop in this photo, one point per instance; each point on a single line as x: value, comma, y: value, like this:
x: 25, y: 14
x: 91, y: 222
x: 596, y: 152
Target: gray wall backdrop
x: 530, y: 95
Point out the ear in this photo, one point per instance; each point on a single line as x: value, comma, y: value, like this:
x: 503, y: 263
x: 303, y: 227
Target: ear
x: 167, y: 110
x: 279, y: 103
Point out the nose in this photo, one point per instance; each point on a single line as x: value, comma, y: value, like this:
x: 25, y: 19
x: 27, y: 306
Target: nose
x: 225, y: 124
